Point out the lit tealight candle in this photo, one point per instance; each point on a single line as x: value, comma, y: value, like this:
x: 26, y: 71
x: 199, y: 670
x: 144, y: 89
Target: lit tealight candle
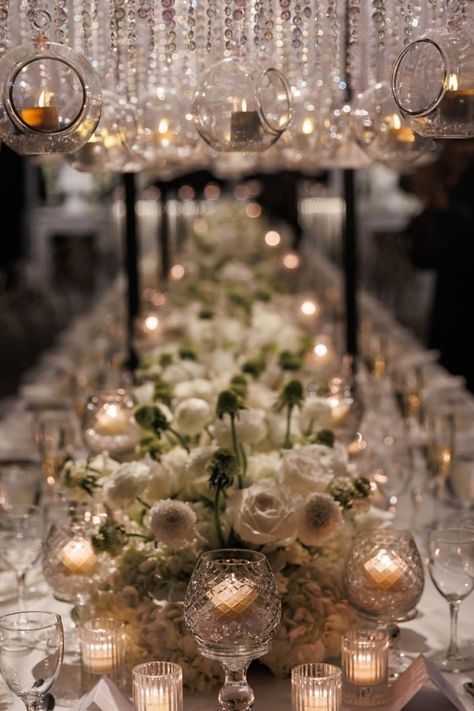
x: 339, y: 409
x: 364, y: 660
x: 316, y: 687
x: 457, y: 103
x: 102, y: 646
x: 244, y: 127
x: 78, y: 556
x: 385, y: 569
x: 398, y: 133
x: 157, y: 686
x: 232, y: 596
x: 41, y: 117
x: 111, y: 420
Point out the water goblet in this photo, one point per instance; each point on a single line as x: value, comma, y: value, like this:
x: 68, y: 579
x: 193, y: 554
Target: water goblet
x: 21, y: 535
x: 384, y: 580
x: 31, y: 652
x: 20, y: 484
x: 55, y: 433
x: 451, y: 567
x: 232, y: 608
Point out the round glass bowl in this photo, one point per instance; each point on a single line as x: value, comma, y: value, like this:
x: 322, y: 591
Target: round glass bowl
x: 433, y: 84
x: 50, y: 98
x: 240, y: 107
x: 108, y: 424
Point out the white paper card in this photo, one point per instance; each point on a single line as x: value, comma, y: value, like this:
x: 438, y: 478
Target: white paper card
x: 106, y: 696
x: 414, y: 678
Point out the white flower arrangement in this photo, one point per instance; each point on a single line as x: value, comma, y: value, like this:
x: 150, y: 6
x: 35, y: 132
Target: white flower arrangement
x: 236, y: 451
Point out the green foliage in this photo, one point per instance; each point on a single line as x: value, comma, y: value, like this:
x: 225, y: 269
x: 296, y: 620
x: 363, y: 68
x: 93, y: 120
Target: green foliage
x: 289, y: 361
x: 223, y: 466
x: 151, y: 418
x: 228, y: 403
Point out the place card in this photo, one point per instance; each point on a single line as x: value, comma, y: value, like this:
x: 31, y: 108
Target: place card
x: 106, y: 696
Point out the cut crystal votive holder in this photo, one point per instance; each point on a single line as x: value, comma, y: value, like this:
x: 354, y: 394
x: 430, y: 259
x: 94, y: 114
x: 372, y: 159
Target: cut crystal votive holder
x: 316, y: 687
x: 157, y: 686
x: 364, y: 661
x: 102, y: 642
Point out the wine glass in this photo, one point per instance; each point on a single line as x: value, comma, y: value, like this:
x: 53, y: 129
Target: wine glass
x: 21, y: 535
x: 55, y: 433
x: 232, y: 607
x: 31, y: 652
x: 451, y: 567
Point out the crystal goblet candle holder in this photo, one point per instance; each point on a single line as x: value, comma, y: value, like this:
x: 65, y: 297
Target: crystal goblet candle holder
x: 157, y: 686
x: 316, y: 687
x: 364, y: 659
x: 102, y: 649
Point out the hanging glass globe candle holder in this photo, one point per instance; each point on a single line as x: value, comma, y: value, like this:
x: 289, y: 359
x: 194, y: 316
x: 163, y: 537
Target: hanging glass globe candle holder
x: 338, y: 145
x: 382, y: 131
x: 165, y: 128
x: 108, y: 149
x: 433, y: 84
x: 108, y: 424
x: 50, y: 97
x: 239, y: 107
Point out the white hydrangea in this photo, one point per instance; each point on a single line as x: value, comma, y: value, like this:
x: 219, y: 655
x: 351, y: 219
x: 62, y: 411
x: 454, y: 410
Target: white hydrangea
x: 321, y: 520
x: 173, y: 523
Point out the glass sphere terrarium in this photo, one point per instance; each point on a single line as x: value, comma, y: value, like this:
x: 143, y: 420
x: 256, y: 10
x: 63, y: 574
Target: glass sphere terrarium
x: 240, y: 107
x: 108, y: 149
x: 433, y: 84
x: 108, y: 424
x: 50, y: 96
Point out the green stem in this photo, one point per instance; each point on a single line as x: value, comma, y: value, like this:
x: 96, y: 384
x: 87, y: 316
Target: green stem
x: 140, y: 535
x: 287, y: 442
x: 235, y: 446
x: 217, y: 520
x: 143, y: 503
x: 180, y: 439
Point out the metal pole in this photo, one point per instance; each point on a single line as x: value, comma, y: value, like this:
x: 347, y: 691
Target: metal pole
x: 131, y: 257
x: 350, y: 266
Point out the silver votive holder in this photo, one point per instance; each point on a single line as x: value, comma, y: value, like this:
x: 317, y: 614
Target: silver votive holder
x: 102, y: 642
x: 157, y: 686
x: 316, y: 687
x: 364, y: 661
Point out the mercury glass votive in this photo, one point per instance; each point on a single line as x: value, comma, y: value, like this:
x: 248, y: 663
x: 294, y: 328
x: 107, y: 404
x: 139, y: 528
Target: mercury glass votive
x: 102, y: 649
x: 157, y: 686
x: 316, y: 687
x: 364, y: 660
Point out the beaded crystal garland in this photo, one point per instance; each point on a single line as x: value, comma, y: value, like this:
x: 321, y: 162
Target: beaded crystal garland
x: 320, y: 59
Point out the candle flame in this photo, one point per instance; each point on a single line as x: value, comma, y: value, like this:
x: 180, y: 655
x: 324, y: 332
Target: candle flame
x: 112, y: 411
x: 308, y: 126
x: 320, y: 349
x: 244, y: 105
x: 396, y: 121
x: 453, y: 82
x: 163, y: 126
x: 45, y: 98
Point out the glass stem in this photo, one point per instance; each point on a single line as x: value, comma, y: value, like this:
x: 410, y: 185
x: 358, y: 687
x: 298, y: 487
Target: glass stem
x: 236, y: 694
x: 453, y: 650
x: 20, y: 583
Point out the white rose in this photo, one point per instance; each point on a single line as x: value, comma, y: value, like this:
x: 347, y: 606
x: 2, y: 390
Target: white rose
x: 265, y: 514
x: 262, y: 466
x: 176, y: 460
x: 200, y: 387
x: 127, y: 481
x: 179, y: 372
x: 162, y: 482
x: 144, y: 393
x: 102, y: 464
x: 192, y: 415
x: 315, y: 414
x: 197, y: 475
x: 250, y: 425
x: 308, y: 469
x: 276, y: 422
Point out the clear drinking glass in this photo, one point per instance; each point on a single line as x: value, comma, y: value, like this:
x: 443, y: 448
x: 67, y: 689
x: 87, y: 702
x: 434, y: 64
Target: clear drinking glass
x: 21, y: 537
x: 157, y: 686
x: 55, y: 432
x: 364, y: 661
x: 232, y: 607
x: 31, y: 652
x: 20, y: 484
x: 316, y: 687
x: 451, y: 567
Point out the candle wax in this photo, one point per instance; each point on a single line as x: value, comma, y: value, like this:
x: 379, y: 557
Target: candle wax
x: 244, y: 127
x: 385, y: 569
x: 232, y: 597
x: 111, y: 420
x: 364, y: 669
x: 99, y: 658
x: 41, y: 118
x: 156, y: 702
x: 458, y: 105
x: 78, y: 556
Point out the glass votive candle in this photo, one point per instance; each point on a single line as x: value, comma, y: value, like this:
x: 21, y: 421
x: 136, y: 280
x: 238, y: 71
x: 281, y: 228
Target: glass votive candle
x: 157, y: 686
x: 316, y: 687
x: 364, y: 660
x: 102, y: 643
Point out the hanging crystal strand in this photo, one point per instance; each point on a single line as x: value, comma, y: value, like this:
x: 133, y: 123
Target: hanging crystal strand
x: 456, y: 10
x: 258, y: 16
x: 333, y: 48
x: 3, y: 26
x: 378, y: 40
x: 239, y: 34
x: 60, y: 21
x: 147, y: 12
x: 116, y: 27
x: 131, y: 54
x: 86, y: 28
x: 353, y: 68
x: 211, y: 13
x: 286, y: 36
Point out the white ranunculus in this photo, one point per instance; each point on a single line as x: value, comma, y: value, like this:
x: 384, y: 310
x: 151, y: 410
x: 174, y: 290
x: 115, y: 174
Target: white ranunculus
x: 315, y: 414
x: 307, y: 470
x: 236, y: 272
x: 163, y: 481
x: 262, y: 466
x: 276, y: 422
x: 260, y: 396
x: 103, y: 465
x: 192, y: 415
x: 250, y: 425
x: 220, y: 362
x: 199, y: 387
x: 265, y: 326
x: 176, y: 460
x: 144, y: 393
x: 126, y: 483
x: 264, y: 513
